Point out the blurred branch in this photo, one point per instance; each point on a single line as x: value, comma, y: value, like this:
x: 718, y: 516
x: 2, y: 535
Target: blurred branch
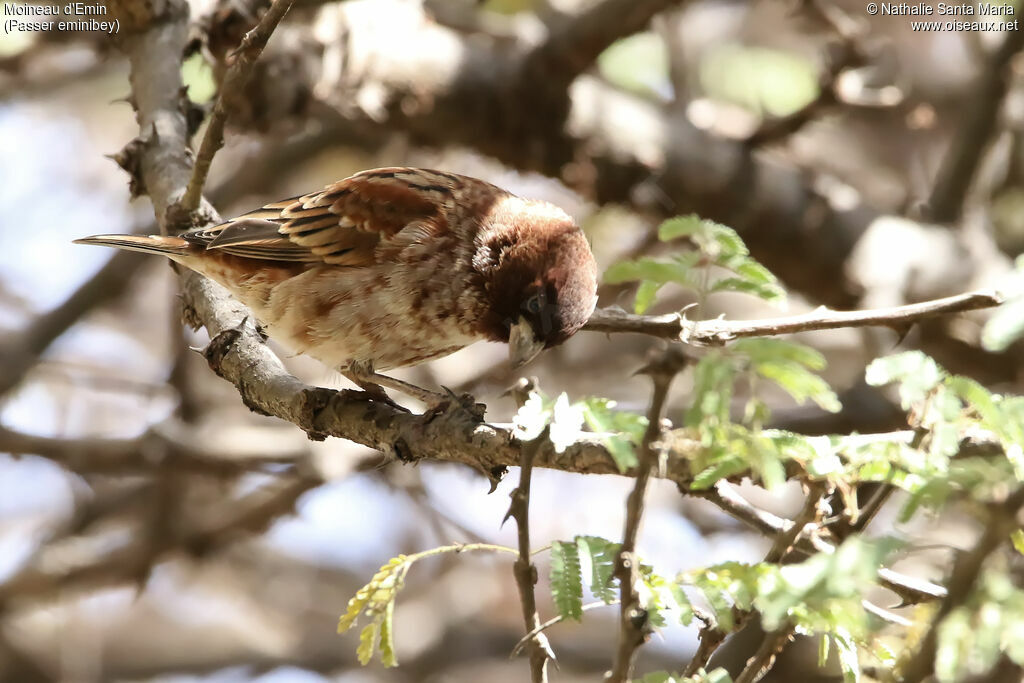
x: 231, y: 87
x: 634, y: 627
x: 1002, y: 519
x: 104, y: 455
x: 910, y: 590
x: 577, y: 43
x: 676, y: 327
x: 87, y: 562
x: 972, y: 135
x: 20, y: 353
x: 784, y: 542
x: 769, y: 649
x: 787, y: 534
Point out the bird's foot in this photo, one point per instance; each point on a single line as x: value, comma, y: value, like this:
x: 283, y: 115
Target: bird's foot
x: 449, y: 401
x: 363, y: 374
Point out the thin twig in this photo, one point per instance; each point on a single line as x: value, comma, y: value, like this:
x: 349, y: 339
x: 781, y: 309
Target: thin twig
x: 785, y: 540
x: 769, y: 649
x: 711, y: 636
x: 633, y: 626
x: 708, y: 640
x: 557, y: 619
x: 1002, y: 520
x: 910, y: 590
x: 676, y: 327
x: 775, y: 641
x: 524, y: 569
x: 231, y: 88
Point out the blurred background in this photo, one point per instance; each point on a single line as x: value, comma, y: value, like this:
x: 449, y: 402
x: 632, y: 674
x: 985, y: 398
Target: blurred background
x: 153, y: 529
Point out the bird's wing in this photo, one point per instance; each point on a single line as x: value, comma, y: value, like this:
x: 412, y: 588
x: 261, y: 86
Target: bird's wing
x: 349, y: 223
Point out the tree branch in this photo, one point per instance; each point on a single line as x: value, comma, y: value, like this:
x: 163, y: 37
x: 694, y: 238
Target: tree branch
x: 676, y: 327
x: 231, y: 88
x: 18, y: 355
x: 633, y: 625
x: 970, y: 140
x: 573, y: 47
x: 1001, y: 521
x: 524, y: 569
x: 910, y: 590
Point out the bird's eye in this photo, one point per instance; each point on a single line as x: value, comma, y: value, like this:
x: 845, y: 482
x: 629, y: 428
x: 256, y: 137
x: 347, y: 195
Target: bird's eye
x: 533, y: 304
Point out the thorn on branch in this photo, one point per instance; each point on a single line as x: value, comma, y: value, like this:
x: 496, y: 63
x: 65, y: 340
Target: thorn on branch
x: 129, y: 158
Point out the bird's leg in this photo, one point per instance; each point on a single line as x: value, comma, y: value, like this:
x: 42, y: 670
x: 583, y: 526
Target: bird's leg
x: 364, y: 376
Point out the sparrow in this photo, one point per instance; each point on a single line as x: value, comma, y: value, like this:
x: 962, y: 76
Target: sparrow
x: 392, y: 267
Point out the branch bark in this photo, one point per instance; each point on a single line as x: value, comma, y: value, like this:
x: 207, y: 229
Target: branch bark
x: 676, y: 327
x: 524, y: 569
x: 633, y: 625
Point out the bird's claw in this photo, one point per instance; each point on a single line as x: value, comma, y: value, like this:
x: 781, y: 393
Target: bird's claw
x: 449, y: 401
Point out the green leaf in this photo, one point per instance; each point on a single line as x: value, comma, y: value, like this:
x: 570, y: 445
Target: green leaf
x: 638, y: 63
x: 764, y: 80
x: 772, y: 293
x: 849, y: 662
x: 566, y: 580
x: 801, y: 384
x: 1005, y: 326
x: 713, y: 378
x: 1018, y: 540
x: 679, y: 270
x: 602, y: 554
x: 367, y: 638
x: 955, y: 636
x: 658, y: 677
x: 686, y: 612
x: 680, y: 226
x: 917, y: 373
x: 645, y: 295
x: 387, y: 637
x: 724, y: 468
x: 197, y: 77
x: 622, y: 430
x: 718, y: 242
x: 770, y: 350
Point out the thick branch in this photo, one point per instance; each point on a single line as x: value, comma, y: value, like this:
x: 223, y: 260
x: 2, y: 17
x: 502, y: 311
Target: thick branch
x: 970, y: 141
x: 574, y: 46
x: 675, y: 326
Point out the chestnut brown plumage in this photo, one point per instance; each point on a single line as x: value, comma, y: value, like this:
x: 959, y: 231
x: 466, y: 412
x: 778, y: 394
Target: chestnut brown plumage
x: 396, y: 266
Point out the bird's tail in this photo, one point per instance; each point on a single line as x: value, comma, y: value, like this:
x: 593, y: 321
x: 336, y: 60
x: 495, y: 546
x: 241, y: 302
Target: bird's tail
x: 152, y: 244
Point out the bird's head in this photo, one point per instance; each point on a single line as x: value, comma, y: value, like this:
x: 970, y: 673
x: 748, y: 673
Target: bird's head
x: 539, y: 274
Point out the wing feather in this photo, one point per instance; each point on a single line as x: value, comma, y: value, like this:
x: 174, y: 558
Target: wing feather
x: 348, y: 223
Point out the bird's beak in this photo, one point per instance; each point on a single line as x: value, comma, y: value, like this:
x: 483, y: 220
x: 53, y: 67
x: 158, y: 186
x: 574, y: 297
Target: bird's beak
x: 523, y: 345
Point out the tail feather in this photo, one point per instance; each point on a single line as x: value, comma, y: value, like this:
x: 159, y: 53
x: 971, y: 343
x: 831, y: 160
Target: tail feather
x: 152, y: 244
